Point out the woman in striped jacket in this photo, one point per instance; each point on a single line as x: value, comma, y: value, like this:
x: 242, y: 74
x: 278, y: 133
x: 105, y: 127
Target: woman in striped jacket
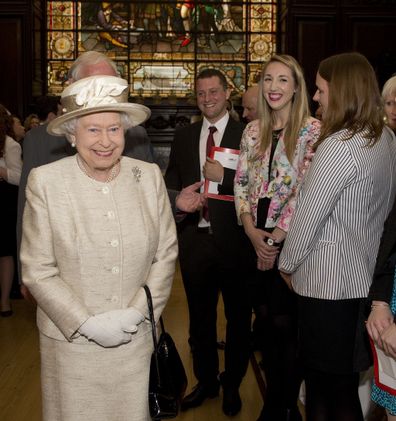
x: 329, y: 254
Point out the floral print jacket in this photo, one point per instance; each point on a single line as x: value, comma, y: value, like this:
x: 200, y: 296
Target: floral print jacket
x: 252, y: 182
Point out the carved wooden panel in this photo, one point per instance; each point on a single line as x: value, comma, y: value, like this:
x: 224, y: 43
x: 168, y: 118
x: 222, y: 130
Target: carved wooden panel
x: 21, y: 70
x: 12, y: 83
x: 317, y: 29
x: 310, y: 3
x: 316, y: 40
x: 376, y: 37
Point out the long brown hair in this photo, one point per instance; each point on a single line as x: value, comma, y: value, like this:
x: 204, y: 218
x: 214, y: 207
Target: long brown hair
x: 354, y: 101
x: 299, y: 110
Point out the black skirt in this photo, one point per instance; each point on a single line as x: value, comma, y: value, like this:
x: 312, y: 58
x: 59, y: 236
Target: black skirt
x: 8, y: 218
x: 333, y: 336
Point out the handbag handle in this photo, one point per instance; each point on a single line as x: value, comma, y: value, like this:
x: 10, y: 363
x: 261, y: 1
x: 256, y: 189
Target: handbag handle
x: 153, y: 328
x: 151, y: 314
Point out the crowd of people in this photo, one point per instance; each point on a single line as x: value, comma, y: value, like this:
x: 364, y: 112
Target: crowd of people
x: 289, y: 215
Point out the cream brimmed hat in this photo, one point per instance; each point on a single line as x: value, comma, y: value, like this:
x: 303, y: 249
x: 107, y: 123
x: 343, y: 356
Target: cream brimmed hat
x: 96, y: 94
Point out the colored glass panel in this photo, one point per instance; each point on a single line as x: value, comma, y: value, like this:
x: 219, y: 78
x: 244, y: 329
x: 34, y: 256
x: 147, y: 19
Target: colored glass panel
x: 161, y: 46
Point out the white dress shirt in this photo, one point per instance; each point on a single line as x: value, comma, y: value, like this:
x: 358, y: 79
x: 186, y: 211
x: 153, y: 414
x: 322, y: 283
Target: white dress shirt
x: 11, y: 160
x: 217, y: 137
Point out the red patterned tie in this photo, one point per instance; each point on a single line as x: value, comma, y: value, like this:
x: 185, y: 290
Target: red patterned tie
x: 210, y: 141
x: 209, y: 144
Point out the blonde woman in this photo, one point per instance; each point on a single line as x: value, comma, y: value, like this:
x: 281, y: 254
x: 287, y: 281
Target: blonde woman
x: 275, y: 153
x: 389, y: 98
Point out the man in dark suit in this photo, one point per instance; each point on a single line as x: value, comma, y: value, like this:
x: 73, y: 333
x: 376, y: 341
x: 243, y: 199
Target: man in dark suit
x: 212, y: 248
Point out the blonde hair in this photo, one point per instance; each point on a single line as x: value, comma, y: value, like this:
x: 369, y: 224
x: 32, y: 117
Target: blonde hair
x: 354, y: 101
x: 299, y: 109
x: 28, y: 121
x: 389, y: 87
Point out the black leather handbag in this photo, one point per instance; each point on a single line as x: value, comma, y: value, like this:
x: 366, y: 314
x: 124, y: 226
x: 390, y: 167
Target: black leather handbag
x: 168, y: 380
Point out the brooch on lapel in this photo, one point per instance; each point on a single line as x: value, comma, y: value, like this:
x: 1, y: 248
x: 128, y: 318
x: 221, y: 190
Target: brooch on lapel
x: 137, y: 172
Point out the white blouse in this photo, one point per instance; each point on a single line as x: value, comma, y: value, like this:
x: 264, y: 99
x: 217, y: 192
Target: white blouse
x: 12, y: 161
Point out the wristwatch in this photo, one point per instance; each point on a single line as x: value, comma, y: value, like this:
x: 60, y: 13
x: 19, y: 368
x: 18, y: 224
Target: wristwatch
x: 271, y: 242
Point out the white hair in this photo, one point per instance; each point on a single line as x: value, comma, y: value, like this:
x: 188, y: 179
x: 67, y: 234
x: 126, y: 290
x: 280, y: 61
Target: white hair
x: 89, y: 58
x: 69, y: 126
x: 389, y: 87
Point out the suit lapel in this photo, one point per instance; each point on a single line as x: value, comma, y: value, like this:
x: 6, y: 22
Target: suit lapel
x: 195, y: 135
x: 229, y: 135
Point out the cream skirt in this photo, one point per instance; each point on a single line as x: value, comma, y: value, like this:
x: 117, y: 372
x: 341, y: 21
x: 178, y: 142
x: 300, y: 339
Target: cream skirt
x: 87, y: 382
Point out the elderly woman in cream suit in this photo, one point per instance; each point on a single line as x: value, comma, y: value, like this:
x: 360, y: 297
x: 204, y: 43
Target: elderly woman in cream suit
x: 97, y: 227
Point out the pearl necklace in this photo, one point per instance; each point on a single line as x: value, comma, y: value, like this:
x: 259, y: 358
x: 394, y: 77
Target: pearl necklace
x: 115, y: 169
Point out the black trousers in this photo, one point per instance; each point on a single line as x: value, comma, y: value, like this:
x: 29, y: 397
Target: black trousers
x: 276, y: 329
x: 334, y: 348
x: 207, y: 272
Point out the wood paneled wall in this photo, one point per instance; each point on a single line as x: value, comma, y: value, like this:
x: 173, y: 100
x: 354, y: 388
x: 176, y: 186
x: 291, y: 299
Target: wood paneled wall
x: 22, y: 53
x: 314, y: 30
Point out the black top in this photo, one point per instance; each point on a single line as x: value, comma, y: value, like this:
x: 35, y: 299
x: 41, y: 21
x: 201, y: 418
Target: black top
x: 263, y: 203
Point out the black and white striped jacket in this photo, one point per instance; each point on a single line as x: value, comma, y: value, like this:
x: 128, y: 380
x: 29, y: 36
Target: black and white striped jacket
x: 334, y: 235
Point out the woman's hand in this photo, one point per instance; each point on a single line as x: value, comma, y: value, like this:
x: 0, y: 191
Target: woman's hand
x: 129, y: 318
x: 287, y: 278
x: 379, y: 320
x: 104, y: 331
x: 265, y: 253
x: 112, y: 328
x: 265, y: 264
x: 388, y: 339
x: 278, y: 234
x: 263, y: 250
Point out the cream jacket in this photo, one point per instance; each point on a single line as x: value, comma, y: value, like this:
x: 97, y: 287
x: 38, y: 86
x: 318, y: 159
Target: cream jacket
x: 89, y: 247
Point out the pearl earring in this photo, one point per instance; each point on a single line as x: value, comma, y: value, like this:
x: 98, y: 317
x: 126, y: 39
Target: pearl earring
x: 73, y: 145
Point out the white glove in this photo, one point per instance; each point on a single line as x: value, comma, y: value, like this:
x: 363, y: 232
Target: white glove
x: 129, y: 318
x: 105, y: 331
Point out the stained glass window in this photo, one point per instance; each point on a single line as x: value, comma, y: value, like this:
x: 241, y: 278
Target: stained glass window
x: 159, y: 47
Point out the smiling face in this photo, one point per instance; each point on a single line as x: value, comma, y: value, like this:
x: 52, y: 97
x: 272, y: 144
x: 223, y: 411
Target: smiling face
x: 278, y: 86
x: 322, y: 94
x: 99, y: 140
x: 390, y: 110
x: 212, y: 98
x: 34, y: 122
